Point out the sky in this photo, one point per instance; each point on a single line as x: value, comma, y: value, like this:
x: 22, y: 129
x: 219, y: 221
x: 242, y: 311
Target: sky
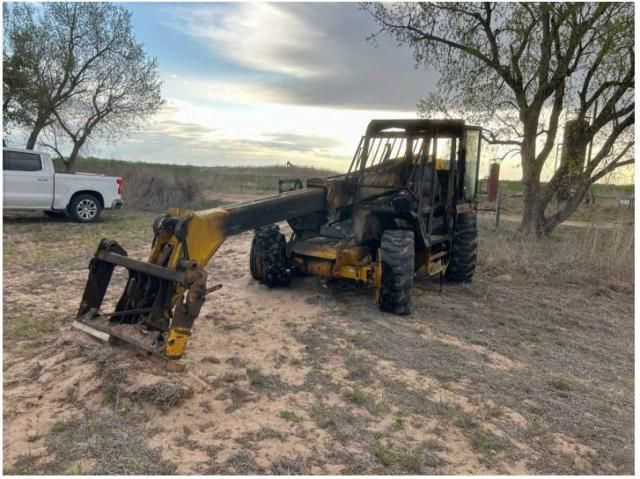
x: 251, y: 84
x: 270, y: 83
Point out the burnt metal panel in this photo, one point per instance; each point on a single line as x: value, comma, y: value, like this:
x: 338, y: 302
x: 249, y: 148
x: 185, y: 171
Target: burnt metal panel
x: 272, y: 209
x: 416, y: 126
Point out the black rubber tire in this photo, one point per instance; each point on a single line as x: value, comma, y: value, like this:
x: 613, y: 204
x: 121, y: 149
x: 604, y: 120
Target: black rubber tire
x: 397, y: 248
x: 85, y: 198
x: 55, y: 214
x: 271, y: 248
x: 464, y: 250
x: 255, y: 259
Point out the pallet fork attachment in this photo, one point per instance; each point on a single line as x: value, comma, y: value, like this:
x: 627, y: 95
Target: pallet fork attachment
x: 163, y: 296
x: 139, y: 317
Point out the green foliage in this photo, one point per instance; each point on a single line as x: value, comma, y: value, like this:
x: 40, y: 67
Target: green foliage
x: 290, y: 416
x: 384, y: 453
x: 560, y: 384
x: 356, y: 396
x: 74, y: 70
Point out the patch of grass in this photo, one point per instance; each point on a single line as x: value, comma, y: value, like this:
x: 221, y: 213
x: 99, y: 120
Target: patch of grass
x: 464, y: 420
x: 28, y: 325
x: 358, y: 367
x: 238, y: 463
x: 25, y: 464
x: 419, y: 460
x: 560, y: 384
x: 382, y: 406
x: 285, y: 466
x: 264, y: 382
x: 536, y: 428
x: 339, y: 421
x: 384, y: 453
x: 256, y: 378
x: 114, y: 443
x: 77, y: 469
x: 269, y: 433
x: 356, y: 396
x: 486, y: 442
x: 109, y: 396
x: 445, y: 375
x: 243, y: 463
x: 238, y: 397
x: 162, y: 394
x: 290, y: 416
x: 399, y: 423
x: 112, y: 374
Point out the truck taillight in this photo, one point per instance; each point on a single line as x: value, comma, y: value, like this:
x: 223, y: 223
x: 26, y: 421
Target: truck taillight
x: 119, y: 182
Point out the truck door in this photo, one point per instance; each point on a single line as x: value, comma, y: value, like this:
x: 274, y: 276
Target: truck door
x: 28, y: 183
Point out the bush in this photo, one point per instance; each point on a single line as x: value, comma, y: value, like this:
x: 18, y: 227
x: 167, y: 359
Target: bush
x: 151, y: 191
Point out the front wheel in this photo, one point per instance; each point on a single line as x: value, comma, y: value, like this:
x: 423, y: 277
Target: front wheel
x: 85, y: 208
x: 464, y: 250
x: 397, y: 255
x: 268, y: 259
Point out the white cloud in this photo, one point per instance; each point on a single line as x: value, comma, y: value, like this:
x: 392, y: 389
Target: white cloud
x: 261, y: 36
x: 313, y: 54
x: 187, y: 133
x: 222, y: 91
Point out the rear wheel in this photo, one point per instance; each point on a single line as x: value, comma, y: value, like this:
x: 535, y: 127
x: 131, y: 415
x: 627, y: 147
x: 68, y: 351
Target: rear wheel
x: 397, y: 251
x: 85, y: 208
x: 464, y: 251
x: 268, y: 260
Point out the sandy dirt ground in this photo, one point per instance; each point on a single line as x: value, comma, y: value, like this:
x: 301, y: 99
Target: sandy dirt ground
x: 508, y: 374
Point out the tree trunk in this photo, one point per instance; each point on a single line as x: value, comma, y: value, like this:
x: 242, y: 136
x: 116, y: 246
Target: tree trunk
x: 70, y: 162
x: 568, y: 207
x: 533, y: 212
x: 35, y: 132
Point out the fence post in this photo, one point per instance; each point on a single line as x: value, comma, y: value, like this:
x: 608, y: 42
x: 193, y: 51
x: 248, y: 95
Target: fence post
x: 498, y: 209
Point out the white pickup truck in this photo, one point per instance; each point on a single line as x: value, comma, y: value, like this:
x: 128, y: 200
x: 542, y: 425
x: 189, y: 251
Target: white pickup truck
x: 31, y: 183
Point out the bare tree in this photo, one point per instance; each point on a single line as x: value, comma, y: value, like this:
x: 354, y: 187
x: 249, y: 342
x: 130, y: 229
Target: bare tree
x: 517, y: 67
x: 87, y: 74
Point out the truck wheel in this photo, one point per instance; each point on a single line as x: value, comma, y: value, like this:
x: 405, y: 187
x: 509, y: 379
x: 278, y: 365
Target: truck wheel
x: 464, y: 250
x: 397, y: 252
x: 85, y: 208
x: 270, y: 262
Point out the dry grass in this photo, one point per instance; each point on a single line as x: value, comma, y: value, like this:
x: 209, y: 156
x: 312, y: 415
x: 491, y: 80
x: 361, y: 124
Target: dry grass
x: 153, y: 186
x: 592, y: 252
x: 147, y: 190
x: 483, y: 377
x: 165, y: 395
x: 100, y: 443
x: 109, y: 442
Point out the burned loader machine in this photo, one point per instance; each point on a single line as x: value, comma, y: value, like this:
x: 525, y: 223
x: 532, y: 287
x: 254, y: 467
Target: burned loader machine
x: 407, y: 203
